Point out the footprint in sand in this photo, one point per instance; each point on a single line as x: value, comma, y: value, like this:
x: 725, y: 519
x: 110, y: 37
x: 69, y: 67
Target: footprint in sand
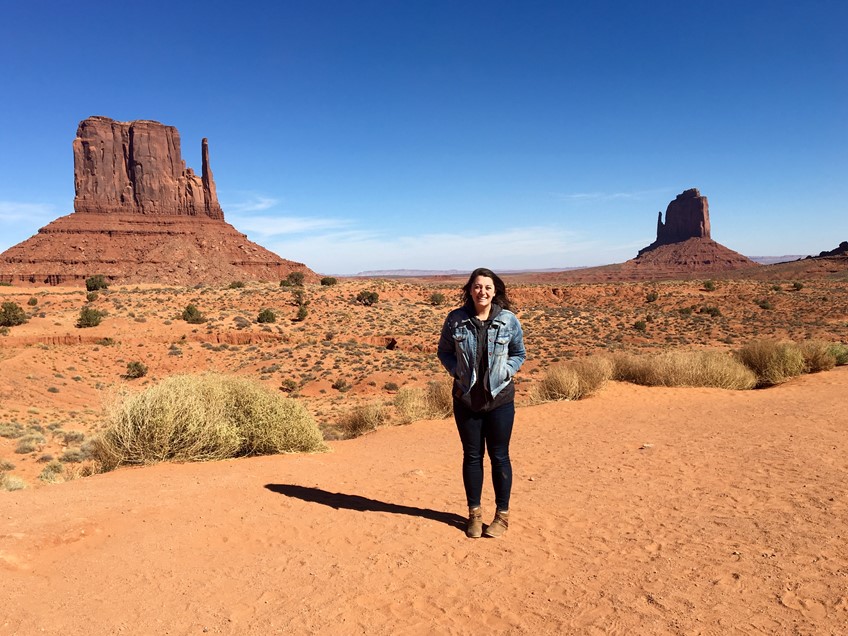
x: 810, y: 608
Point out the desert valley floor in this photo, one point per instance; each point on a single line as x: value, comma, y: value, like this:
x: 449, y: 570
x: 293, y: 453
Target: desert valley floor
x: 644, y: 510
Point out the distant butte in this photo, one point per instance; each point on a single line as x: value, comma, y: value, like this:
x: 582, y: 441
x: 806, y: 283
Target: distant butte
x: 683, y: 244
x: 140, y: 215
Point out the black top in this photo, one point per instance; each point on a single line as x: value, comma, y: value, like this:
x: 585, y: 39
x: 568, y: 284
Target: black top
x: 481, y: 396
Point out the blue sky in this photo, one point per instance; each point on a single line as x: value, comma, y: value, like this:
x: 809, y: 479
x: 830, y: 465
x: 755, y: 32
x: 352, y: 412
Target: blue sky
x: 364, y: 135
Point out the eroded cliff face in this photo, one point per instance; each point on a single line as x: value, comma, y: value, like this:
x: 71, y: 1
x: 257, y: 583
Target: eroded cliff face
x: 137, y: 167
x: 140, y: 216
x: 683, y: 244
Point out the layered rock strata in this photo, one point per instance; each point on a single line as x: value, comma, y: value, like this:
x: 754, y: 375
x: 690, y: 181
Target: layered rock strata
x: 140, y: 215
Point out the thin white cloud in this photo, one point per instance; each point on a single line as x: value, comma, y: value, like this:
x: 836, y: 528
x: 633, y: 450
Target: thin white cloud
x: 270, y: 226
x: 349, y: 252
x: 602, y: 197
x: 12, y: 211
x: 255, y: 203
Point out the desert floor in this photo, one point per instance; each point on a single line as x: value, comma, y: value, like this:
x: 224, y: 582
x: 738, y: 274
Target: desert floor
x: 637, y: 511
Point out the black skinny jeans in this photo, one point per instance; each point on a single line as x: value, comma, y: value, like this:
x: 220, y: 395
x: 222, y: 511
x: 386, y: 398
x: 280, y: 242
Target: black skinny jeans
x: 482, y: 431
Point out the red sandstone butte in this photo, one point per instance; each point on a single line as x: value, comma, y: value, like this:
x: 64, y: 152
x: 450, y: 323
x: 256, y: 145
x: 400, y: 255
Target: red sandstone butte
x: 140, y: 216
x: 683, y: 244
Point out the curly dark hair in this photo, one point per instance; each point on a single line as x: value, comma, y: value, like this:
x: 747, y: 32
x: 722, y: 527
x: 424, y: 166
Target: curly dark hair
x: 500, y: 288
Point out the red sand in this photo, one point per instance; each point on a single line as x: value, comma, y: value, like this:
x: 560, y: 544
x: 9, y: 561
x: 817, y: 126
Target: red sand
x: 637, y: 511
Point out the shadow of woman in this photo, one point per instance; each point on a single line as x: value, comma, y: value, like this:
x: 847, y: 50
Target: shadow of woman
x: 339, y: 500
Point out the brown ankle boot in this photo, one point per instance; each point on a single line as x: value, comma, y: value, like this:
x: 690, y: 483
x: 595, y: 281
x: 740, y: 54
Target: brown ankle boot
x: 499, y: 524
x: 474, y: 525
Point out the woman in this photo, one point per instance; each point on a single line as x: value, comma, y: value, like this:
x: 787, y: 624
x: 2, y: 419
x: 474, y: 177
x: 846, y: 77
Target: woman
x: 482, y: 347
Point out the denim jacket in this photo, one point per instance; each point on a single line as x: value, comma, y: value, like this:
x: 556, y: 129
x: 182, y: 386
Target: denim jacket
x: 458, y: 349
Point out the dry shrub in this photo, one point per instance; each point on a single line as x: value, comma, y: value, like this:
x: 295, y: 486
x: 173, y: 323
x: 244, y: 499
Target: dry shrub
x: 773, y: 361
x: 433, y: 403
x: 573, y: 380
x: 685, y: 368
x: 361, y: 420
x: 201, y: 418
x: 818, y: 355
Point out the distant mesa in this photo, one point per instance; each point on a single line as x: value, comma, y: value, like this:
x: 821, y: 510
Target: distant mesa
x: 140, y: 215
x: 842, y: 250
x: 684, y: 245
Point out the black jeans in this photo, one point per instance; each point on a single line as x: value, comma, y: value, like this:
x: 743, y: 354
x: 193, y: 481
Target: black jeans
x: 482, y: 431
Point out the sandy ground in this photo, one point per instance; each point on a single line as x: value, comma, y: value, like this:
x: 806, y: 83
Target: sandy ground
x: 638, y: 511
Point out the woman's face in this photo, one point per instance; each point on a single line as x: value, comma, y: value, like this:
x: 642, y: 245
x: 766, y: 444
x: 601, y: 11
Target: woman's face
x: 482, y: 292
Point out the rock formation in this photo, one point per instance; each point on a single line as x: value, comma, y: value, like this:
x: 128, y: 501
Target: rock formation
x: 140, y: 215
x: 137, y: 167
x: 688, y: 216
x: 841, y: 250
x: 683, y: 246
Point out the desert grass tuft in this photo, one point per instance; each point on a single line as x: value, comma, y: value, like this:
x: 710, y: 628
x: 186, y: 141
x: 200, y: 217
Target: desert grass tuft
x: 432, y: 403
x: 11, y: 482
x: 685, y: 369
x: 818, y: 355
x: 362, y: 419
x: 773, y: 361
x: 201, y: 418
x: 573, y: 380
x: 840, y: 353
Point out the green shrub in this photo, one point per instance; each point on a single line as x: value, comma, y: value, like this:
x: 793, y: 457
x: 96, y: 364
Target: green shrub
x: 288, y: 386
x: 437, y: 299
x: 773, y: 361
x: 135, y: 370
x: 764, y: 303
x: 33, y: 301
x: 204, y: 417
x: 192, y: 315
x: 709, y: 285
x: 328, y: 281
x: 797, y: 286
x: 266, y: 315
x: 89, y: 317
x: 361, y: 420
x: 640, y: 325
x: 12, y: 314
x: 684, y: 368
x: 367, y: 298
x: 710, y: 310
x: 302, y: 312
x: 30, y: 443
x: 96, y: 282
x: 840, y: 353
x: 91, y: 296
x: 390, y: 386
x: 236, y: 284
x: 294, y: 279
x: 573, y: 380
x: 53, y: 472
x: 652, y: 297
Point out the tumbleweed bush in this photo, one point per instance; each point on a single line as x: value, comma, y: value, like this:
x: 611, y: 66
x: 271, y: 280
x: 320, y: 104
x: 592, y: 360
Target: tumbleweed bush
x: 685, y: 369
x: 773, y: 361
x: 204, y: 417
x: 818, y: 355
x: 430, y: 403
x: 573, y: 380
